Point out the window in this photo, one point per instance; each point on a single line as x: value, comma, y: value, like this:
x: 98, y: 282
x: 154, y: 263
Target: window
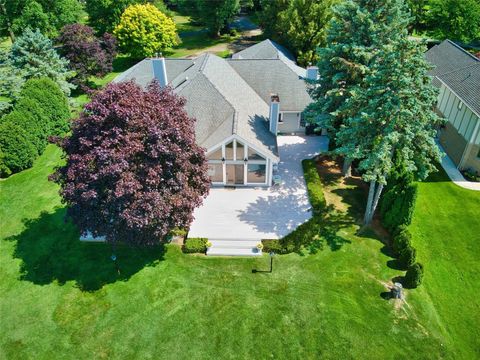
x: 215, y: 171
x: 240, y: 151
x: 280, y: 118
x: 302, y: 120
x: 460, y: 104
x: 216, y: 155
x: 252, y: 155
x: 229, y: 151
x: 256, y: 173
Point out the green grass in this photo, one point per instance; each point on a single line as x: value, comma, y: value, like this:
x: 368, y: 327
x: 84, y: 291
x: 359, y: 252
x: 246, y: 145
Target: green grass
x: 64, y: 299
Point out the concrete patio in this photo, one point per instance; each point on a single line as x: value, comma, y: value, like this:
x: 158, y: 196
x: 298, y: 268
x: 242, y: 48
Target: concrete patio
x: 256, y: 213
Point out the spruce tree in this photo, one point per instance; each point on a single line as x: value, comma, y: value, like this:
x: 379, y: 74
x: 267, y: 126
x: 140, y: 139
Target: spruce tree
x: 394, y: 116
x: 33, y: 54
x: 356, y: 30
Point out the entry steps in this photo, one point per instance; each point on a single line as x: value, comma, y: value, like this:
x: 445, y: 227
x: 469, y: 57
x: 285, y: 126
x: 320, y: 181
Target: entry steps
x: 234, y: 247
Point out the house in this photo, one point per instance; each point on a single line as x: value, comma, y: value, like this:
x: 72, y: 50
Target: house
x: 457, y: 75
x: 241, y: 105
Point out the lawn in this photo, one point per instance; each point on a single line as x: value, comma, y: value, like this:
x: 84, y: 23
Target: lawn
x: 64, y: 299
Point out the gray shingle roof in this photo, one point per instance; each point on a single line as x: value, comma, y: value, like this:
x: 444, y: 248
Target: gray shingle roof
x: 267, y: 49
x: 458, y: 69
x: 217, y: 96
x: 275, y: 76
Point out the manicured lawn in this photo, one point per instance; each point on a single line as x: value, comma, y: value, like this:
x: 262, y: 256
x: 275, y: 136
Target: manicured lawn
x: 64, y: 299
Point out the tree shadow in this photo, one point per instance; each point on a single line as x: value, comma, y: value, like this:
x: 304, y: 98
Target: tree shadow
x: 50, y: 251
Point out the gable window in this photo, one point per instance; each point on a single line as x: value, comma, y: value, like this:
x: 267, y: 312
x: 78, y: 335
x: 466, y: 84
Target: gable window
x: 253, y: 155
x: 216, y: 155
x: 240, y: 152
x: 229, y: 151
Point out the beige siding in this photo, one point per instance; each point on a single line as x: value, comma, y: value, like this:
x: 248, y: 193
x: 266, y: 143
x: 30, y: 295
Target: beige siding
x: 453, y: 143
x: 471, y: 159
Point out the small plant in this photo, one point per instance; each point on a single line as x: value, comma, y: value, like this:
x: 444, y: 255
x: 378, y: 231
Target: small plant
x: 471, y: 175
x: 195, y: 245
x: 414, y: 276
x: 407, y: 257
x: 208, y: 244
x: 259, y: 246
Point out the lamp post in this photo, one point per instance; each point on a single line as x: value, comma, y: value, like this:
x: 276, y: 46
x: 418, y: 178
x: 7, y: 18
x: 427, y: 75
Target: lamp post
x: 271, y: 253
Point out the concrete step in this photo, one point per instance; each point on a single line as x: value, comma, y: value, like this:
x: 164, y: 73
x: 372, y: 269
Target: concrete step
x: 235, y: 243
x: 233, y: 251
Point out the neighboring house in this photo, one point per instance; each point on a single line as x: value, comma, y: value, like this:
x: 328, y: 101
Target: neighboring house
x: 457, y: 75
x: 240, y: 104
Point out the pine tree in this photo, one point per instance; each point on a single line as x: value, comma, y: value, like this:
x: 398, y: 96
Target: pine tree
x: 395, y: 117
x: 33, y: 54
x: 355, y: 31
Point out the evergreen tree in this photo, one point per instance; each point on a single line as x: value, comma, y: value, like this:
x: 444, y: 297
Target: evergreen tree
x: 395, y: 115
x: 356, y: 27
x: 33, y: 55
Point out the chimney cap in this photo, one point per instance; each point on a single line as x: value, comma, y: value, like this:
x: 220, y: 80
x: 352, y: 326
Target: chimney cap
x: 274, y: 98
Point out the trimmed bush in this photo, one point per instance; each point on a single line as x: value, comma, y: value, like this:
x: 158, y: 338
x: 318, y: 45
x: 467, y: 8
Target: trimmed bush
x: 407, y: 257
x: 17, y: 151
x: 401, y: 241
x: 195, y: 245
x: 398, y: 205
x: 414, y: 276
x: 48, y: 95
x: 277, y: 246
x: 314, y: 186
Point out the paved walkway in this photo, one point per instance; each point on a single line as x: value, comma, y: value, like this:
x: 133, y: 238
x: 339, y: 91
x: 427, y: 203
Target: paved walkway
x: 456, y: 176
x: 262, y: 213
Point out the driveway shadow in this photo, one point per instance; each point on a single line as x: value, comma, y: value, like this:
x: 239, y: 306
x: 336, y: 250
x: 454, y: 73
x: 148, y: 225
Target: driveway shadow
x: 50, y: 251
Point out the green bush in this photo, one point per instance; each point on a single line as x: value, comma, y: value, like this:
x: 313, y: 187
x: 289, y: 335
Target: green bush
x: 195, y: 245
x: 414, y: 276
x: 35, y: 121
x: 314, y: 186
x: 398, y: 205
x: 17, y: 151
x: 53, y: 102
x: 277, y: 246
x: 402, y: 240
x: 407, y: 257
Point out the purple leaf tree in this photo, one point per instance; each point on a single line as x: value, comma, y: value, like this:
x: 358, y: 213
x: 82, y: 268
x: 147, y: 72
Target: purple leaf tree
x: 88, y: 55
x: 133, y: 169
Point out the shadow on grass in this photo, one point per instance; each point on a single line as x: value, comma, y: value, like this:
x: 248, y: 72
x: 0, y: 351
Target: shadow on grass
x: 50, y: 251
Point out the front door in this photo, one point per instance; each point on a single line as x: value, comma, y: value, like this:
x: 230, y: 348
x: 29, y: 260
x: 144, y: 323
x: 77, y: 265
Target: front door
x: 234, y: 174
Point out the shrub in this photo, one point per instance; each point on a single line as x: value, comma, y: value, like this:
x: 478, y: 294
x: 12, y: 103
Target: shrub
x: 398, y: 205
x: 53, y: 102
x: 314, y: 186
x: 195, y: 245
x: 17, y: 151
x: 414, y: 276
x: 407, y: 257
x: 277, y: 246
x: 31, y: 123
x: 401, y: 241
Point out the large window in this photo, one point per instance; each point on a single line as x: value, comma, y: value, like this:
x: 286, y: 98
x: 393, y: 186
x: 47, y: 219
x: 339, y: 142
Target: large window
x: 240, y: 151
x: 229, y: 151
x: 215, y: 171
x: 256, y: 173
x: 253, y: 155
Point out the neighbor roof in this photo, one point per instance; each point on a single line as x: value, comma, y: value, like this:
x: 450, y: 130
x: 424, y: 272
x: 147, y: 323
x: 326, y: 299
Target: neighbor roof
x: 457, y: 69
x: 267, y: 49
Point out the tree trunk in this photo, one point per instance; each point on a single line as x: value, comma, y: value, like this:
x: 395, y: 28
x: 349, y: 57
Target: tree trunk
x: 347, y: 168
x: 9, y: 25
x: 371, y: 193
x: 375, y: 201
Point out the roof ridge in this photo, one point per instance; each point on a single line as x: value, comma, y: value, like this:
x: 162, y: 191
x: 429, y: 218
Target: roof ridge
x: 459, y: 69
x: 462, y: 50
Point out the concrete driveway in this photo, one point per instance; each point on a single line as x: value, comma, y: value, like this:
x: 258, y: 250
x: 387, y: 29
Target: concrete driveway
x: 256, y: 213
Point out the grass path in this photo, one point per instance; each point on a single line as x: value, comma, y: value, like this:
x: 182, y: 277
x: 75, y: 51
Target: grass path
x: 62, y: 298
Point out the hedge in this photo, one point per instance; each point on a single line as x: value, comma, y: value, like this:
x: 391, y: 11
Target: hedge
x: 314, y: 186
x: 414, y: 276
x: 397, y: 205
x: 17, y: 151
x: 402, y: 240
x: 407, y: 257
x: 195, y: 245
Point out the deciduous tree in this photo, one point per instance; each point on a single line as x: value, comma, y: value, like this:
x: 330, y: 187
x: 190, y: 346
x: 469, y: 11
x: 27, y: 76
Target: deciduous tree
x: 144, y: 30
x: 104, y: 15
x: 133, y: 170
x: 217, y: 14
x: 87, y: 55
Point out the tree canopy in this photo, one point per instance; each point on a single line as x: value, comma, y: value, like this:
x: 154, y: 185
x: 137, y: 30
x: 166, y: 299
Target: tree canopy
x: 133, y: 169
x: 216, y: 14
x: 104, y: 15
x: 144, y: 30
x: 87, y: 54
